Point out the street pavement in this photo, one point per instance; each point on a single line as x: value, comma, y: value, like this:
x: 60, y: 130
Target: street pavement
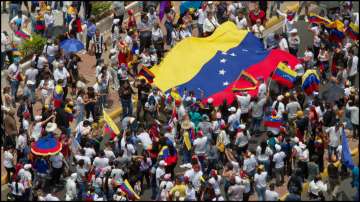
x: 87, y: 69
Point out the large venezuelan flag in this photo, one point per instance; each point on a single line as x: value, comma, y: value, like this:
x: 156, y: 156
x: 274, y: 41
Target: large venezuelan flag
x: 353, y: 31
x: 316, y: 19
x: 214, y: 64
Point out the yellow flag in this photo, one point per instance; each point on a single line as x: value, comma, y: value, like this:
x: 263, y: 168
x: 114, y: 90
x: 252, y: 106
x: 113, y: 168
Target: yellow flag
x: 187, y: 140
x: 111, y: 123
x: 175, y: 94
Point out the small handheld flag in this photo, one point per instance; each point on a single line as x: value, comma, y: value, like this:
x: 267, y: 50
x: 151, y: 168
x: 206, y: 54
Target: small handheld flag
x: 284, y: 75
x: 310, y: 82
x: 110, y: 123
x: 145, y: 72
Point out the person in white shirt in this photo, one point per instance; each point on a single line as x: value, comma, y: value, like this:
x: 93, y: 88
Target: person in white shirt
x: 354, y: 116
x: 195, y: 175
x: 144, y: 138
x: 334, y: 134
x: 70, y: 187
x: 241, y: 21
x: 260, y: 182
x: 17, y: 189
x: 292, y: 107
x: 258, y: 29
x: 250, y: 164
x: 50, y: 197
x: 317, y: 188
x: 233, y: 118
x: 218, y: 196
x: 19, y: 22
x: 236, y: 190
x: 184, y: 32
x: 210, y: 24
x: 57, y: 166
x: 271, y: 194
x: 49, y: 22
x: 160, y: 171
x: 308, y: 57
x: 244, y: 103
x: 233, y: 8
x: 32, y: 75
x: 215, y: 179
x: 353, y: 61
x: 283, y: 44
x: 201, y: 14
x: 61, y: 73
x: 200, y: 144
x: 50, y: 50
x: 263, y: 154
x: 100, y: 162
x: 279, y: 106
x: 278, y: 158
x: 294, y: 42
x: 290, y: 19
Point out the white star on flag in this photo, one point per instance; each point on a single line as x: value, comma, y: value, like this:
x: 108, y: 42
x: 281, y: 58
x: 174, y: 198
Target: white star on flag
x: 222, y: 72
x: 225, y: 83
x: 223, y: 60
x: 224, y: 53
x: 233, y: 54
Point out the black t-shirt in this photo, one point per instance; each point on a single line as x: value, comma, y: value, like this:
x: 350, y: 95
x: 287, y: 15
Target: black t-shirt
x: 143, y: 92
x: 62, y: 118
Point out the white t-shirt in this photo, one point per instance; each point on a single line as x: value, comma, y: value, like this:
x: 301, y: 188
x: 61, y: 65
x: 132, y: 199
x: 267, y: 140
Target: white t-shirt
x: 36, y: 131
x: 354, y: 66
x: 263, y: 157
x: 145, y: 139
x: 334, y: 136
x: 100, y: 162
x: 244, y: 103
x: 109, y: 154
x: 86, y: 159
x: 129, y: 150
x: 50, y: 50
x: 250, y: 164
x: 57, y: 160
x: 210, y: 25
x: 258, y: 30
x: 234, y: 117
x: 23, y: 19
x: 194, y: 178
x: 61, y: 74
x: 31, y: 74
x: 117, y: 174
x: 8, y: 159
x: 5, y: 42
x: 159, y: 172
x: 354, y: 114
x: 21, y: 189
x: 46, y: 88
x: 201, y: 16
x: 283, y: 44
x: 260, y: 179
x: 278, y: 158
x: 281, y: 108
x: 49, y: 18
x: 90, y: 152
x: 271, y: 195
x: 200, y: 145
x: 13, y: 70
x: 41, y: 62
x: 241, y: 23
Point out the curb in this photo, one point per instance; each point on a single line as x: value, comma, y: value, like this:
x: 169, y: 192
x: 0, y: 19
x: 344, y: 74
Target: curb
x: 324, y: 174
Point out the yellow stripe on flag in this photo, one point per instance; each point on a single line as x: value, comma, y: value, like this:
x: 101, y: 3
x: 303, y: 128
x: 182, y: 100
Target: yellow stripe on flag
x: 131, y: 189
x: 174, y: 93
x: 283, y: 67
x: 187, y: 58
x: 111, y: 123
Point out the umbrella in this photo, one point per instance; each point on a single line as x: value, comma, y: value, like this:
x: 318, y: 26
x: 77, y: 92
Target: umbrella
x: 331, y: 92
x: 71, y: 45
x: 45, y: 146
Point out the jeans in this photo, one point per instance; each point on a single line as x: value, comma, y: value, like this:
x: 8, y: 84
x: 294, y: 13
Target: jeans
x: 49, y: 31
x: 256, y: 123
x: 127, y: 107
x: 98, y: 57
x: 279, y: 173
x: 169, y: 28
x: 260, y: 193
x: 200, y: 30
x: 82, y: 190
x: 14, y: 86
x: 14, y: 8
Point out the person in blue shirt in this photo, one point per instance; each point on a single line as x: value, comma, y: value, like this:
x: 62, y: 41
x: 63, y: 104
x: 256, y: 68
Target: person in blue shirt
x: 355, y: 181
x: 41, y: 167
x: 91, y: 28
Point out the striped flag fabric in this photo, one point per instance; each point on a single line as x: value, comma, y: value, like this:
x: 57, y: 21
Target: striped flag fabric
x: 109, y: 131
x: 145, y: 72
x: 110, y: 123
x: 284, y: 75
x: 310, y: 81
x: 316, y: 19
x: 126, y: 187
x: 165, y: 155
x: 273, y: 122
x: 353, y: 31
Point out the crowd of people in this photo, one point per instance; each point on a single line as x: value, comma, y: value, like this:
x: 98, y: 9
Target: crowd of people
x: 184, y: 148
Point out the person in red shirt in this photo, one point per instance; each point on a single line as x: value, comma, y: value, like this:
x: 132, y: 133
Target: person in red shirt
x: 131, y: 20
x: 257, y: 14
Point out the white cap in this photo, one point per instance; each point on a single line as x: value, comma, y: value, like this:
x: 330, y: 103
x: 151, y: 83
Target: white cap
x: 232, y: 109
x: 27, y: 166
x: 162, y: 163
x: 210, y: 100
x: 295, y: 139
x: 242, y: 126
x: 293, y: 31
x: 277, y: 147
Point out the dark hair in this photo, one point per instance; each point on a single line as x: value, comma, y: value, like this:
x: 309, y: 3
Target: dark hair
x: 263, y: 146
